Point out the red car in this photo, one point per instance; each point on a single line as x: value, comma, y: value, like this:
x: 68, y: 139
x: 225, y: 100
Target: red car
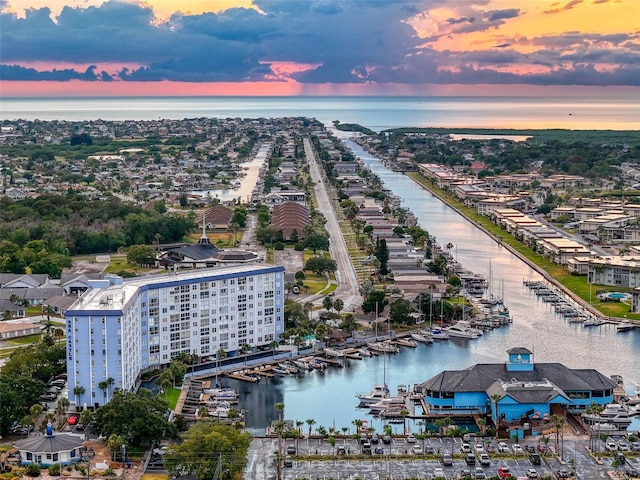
x: 73, y: 420
x: 504, y: 472
x: 542, y: 448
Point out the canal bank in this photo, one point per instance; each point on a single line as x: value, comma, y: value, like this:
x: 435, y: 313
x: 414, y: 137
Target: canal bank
x: 577, y: 299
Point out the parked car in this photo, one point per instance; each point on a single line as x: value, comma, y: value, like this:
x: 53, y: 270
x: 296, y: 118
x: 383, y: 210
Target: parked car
x: 611, y: 446
x: 375, y: 438
x: 517, y: 449
x: 438, y: 472
x: 417, y: 449
x: 379, y: 451
x: 291, y: 449
x: 485, y: 460
x: 429, y: 449
x: 447, y: 459
x: 503, y: 447
x: 532, y: 473
x: 288, y: 461
x: 623, y: 447
x: 632, y: 472
x: 563, y: 473
x: 366, y: 448
x: 465, y: 472
x: 470, y: 459
x: 478, y: 448
x: 480, y: 473
x: 530, y: 448
x: 411, y: 438
x: 341, y: 451
x: 534, y: 458
x: 491, y: 448
x: 465, y: 448
x: 504, y: 472
x: 542, y: 448
x: 635, y: 446
x: 386, y: 439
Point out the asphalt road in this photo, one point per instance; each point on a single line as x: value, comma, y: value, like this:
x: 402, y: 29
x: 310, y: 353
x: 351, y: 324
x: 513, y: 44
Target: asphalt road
x: 348, y: 288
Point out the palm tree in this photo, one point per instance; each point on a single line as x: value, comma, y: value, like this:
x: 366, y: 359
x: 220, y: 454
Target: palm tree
x: 35, y: 411
x: 109, y: 383
x: 103, y: 386
x: 338, y: 305
x: 358, y: 423
x: 310, y: 422
x: 280, y: 432
x: 404, y: 414
x: 245, y: 348
x: 78, y: 391
x: 202, y: 412
x: 495, y: 398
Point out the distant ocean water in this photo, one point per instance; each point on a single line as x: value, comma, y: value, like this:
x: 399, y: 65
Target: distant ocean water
x: 376, y: 113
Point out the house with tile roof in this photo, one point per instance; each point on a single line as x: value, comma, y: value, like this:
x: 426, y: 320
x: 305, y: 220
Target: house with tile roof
x: 292, y: 219
x: 216, y: 217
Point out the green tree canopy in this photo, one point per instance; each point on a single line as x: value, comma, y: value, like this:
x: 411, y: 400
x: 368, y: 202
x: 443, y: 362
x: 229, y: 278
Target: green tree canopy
x: 209, y: 450
x: 139, y: 418
x: 320, y: 265
x: 141, y: 255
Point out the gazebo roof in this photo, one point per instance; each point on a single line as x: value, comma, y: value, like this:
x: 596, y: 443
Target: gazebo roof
x: 50, y: 444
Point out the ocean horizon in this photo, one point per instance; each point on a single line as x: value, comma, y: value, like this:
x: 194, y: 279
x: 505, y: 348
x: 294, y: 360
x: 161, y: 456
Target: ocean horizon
x: 608, y: 112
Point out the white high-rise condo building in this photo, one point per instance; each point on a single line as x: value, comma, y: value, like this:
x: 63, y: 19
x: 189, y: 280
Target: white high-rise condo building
x: 120, y: 328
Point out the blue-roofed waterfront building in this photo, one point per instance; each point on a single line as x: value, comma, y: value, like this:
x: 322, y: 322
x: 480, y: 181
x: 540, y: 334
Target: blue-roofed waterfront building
x: 520, y: 387
x: 119, y: 328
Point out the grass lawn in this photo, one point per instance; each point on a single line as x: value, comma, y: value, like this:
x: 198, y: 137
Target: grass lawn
x: 575, y: 283
x: 316, y: 284
x: 172, y: 397
x: 21, y: 341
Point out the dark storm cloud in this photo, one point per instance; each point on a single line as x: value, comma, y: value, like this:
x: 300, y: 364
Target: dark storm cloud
x: 349, y: 41
x: 16, y: 72
x: 453, y: 21
x: 496, y: 15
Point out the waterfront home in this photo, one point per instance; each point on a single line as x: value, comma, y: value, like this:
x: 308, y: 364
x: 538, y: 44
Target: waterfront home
x: 516, y: 389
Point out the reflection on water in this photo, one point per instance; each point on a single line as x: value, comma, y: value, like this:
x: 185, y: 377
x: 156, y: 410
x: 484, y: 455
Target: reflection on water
x: 329, y: 398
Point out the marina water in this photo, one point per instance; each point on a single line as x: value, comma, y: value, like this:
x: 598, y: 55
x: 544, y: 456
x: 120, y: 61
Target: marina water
x: 329, y: 398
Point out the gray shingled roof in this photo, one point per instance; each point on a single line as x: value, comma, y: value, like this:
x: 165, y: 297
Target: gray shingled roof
x: 44, y: 444
x: 480, y: 377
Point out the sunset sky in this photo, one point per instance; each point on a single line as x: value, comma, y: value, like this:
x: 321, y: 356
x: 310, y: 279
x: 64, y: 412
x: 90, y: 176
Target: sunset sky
x: 315, y: 47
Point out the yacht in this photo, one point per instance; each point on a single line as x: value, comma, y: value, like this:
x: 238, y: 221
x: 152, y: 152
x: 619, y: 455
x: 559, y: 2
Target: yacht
x: 422, y: 338
x: 438, y: 334
x: 613, y: 413
x: 625, y: 326
x: 377, y: 393
x: 462, y: 329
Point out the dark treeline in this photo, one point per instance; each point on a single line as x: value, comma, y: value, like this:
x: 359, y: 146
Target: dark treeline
x: 42, y: 233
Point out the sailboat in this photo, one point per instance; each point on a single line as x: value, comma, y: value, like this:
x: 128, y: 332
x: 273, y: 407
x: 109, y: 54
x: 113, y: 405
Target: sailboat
x: 379, y: 391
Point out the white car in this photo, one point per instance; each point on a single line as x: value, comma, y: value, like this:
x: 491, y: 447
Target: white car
x: 611, y: 446
x: 411, y: 438
x: 503, y: 447
x: 417, y: 449
x: 479, y: 448
x: 517, y: 449
x: 532, y: 473
x: 438, y: 473
x: 465, y: 448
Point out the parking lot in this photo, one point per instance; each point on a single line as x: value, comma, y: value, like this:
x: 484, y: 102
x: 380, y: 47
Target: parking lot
x: 317, y: 459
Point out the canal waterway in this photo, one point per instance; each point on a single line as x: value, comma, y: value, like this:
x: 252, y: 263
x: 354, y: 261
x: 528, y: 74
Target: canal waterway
x: 329, y: 398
